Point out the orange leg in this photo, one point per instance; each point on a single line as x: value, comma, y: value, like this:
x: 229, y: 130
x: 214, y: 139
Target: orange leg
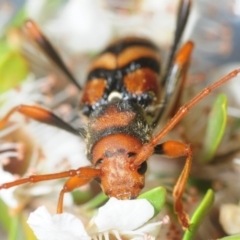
x: 186, y: 107
x: 77, y: 178
x: 75, y: 182
x: 175, y: 149
x: 149, y: 148
x: 42, y: 115
x: 35, y: 33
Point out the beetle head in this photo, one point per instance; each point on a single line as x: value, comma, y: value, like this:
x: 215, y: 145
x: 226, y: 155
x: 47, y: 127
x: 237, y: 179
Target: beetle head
x: 114, y: 155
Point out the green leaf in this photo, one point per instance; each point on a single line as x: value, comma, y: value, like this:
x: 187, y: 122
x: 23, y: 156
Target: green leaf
x: 156, y: 197
x: 199, y: 214
x: 5, y: 218
x: 233, y: 237
x: 13, y: 69
x: 215, y: 128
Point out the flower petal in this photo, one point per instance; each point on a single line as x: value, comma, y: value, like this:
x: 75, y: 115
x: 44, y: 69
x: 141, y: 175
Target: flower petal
x: 153, y: 228
x: 230, y: 218
x: 7, y: 194
x: 63, y: 226
x: 123, y: 214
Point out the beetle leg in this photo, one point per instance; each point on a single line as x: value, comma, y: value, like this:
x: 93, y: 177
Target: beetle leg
x: 77, y: 178
x: 148, y: 148
x: 76, y: 181
x: 42, y: 115
x: 175, y: 149
x: 83, y: 172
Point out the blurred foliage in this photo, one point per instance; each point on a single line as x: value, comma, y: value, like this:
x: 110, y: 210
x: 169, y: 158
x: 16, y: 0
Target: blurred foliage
x: 13, y: 66
x: 201, y: 184
x: 5, y: 217
x: 79, y: 197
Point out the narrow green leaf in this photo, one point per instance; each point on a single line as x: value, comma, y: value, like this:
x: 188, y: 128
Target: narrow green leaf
x: 199, y: 214
x: 215, y: 128
x: 156, y: 197
x: 233, y: 237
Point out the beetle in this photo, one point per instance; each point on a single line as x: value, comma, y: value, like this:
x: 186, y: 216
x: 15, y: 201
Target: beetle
x: 121, y: 100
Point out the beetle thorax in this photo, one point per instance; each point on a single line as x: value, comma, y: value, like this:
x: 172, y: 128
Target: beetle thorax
x: 123, y: 117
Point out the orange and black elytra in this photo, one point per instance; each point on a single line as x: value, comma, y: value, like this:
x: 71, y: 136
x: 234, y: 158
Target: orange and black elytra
x: 121, y: 99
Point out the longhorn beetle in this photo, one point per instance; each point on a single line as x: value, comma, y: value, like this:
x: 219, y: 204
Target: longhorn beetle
x: 120, y: 98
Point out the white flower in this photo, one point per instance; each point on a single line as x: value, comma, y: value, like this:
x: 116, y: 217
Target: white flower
x: 57, y: 227
x: 128, y: 218
x: 138, y: 212
x: 7, y: 194
x: 230, y: 218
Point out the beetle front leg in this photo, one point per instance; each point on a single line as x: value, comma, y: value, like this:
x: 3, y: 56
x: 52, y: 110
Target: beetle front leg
x: 82, y: 173
x: 78, y: 177
x: 174, y: 149
x: 87, y: 174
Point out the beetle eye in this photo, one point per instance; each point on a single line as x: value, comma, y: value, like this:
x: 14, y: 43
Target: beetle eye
x: 131, y: 154
x: 142, y: 168
x: 99, y: 161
